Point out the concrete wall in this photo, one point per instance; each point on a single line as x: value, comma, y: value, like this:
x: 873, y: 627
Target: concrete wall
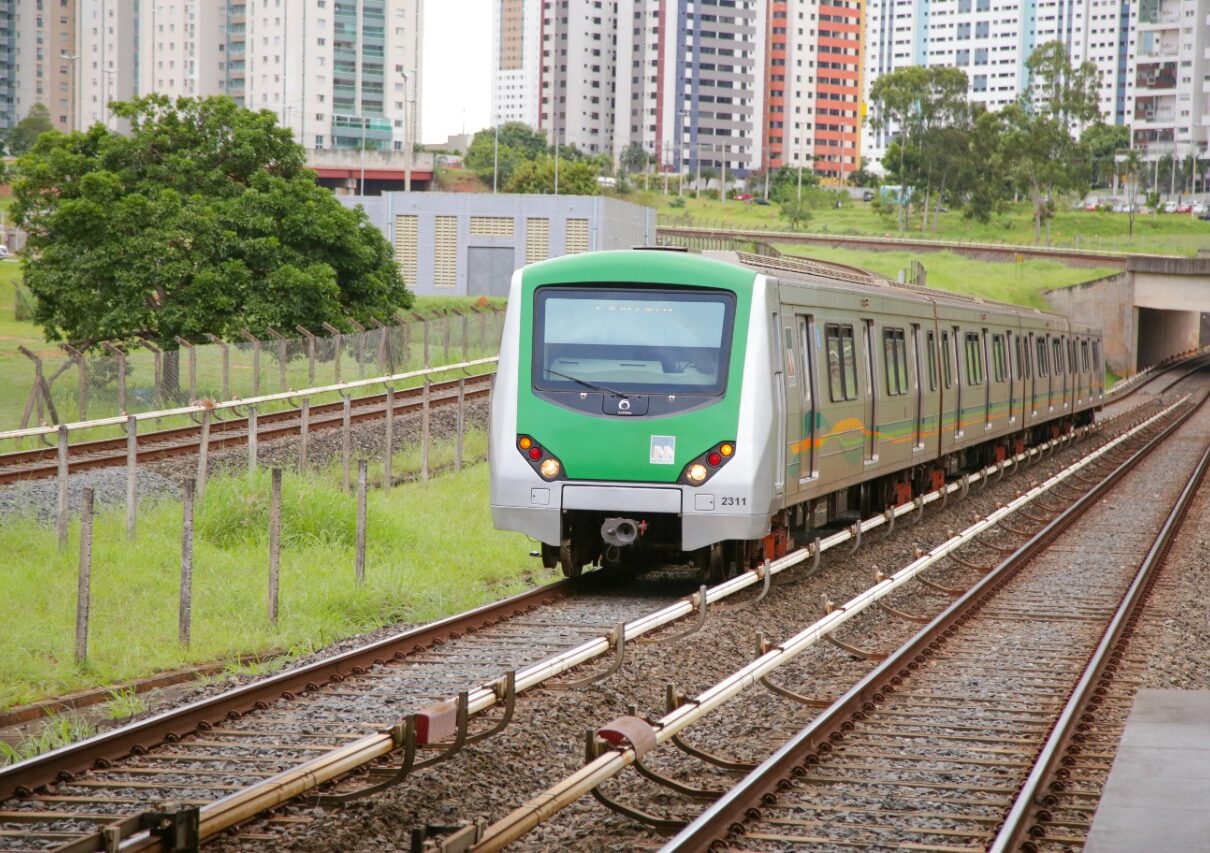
x: 1107, y: 303
x: 491, y: 235
x: 1165, y: 333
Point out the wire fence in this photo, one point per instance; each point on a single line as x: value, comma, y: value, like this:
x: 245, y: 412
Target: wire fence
x: 122, y: 380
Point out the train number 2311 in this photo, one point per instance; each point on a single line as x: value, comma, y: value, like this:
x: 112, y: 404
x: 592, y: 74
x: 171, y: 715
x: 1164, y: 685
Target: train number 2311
x: 734, y: 501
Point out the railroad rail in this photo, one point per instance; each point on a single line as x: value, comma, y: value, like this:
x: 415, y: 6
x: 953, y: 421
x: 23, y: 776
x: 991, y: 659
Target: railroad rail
x: 98, y: 794
x: 950, y: 740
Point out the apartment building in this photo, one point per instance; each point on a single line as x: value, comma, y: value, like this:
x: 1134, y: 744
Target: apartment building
x: 516, y: 61
x: 576, y: 79
x: 991, y: 40
x: 1167, y: 96
x: 339, y: 73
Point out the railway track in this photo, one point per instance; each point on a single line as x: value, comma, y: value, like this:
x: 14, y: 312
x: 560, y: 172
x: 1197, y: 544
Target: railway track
x: 982, y: 732
x: 238, y: 754
x: 42, y: 463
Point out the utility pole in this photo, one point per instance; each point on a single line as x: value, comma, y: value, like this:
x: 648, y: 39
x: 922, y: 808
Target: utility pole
x: 364, y: 121
x: 409, y: 128
x: 496, y: 160
x: 75, y: 92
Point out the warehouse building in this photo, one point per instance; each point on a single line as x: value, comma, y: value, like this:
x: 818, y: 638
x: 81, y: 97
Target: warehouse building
x: 469, y: 244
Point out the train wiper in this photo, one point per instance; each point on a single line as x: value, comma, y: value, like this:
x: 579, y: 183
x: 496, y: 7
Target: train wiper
x: 585, y: 383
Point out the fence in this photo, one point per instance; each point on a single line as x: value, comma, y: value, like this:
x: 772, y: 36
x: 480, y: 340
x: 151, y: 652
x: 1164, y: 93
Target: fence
x: 116, y: 380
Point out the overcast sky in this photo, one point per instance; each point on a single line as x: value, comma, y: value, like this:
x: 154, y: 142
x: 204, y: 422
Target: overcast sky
x: 457, y: 68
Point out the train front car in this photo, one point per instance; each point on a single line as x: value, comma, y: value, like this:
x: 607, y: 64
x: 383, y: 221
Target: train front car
x: 632, y: 415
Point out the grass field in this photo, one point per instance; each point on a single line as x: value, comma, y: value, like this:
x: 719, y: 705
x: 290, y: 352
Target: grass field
x: 431, y: 551
x: 1020, y: 284
x: 1155, y: 234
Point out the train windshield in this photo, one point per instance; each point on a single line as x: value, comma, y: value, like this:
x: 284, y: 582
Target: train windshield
x: 648, y: 341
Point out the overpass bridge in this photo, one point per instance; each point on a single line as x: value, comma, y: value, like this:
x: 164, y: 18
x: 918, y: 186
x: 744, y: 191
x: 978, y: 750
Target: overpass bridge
x: 1151, y: 310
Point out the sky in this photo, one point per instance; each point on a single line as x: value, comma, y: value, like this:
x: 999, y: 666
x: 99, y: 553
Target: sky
x: 456, y: 77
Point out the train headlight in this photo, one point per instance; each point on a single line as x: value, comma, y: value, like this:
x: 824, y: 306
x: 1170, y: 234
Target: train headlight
x: 550, y: 468
x: 697, y: 473
x: 705, y: 465
x: 726, y: 449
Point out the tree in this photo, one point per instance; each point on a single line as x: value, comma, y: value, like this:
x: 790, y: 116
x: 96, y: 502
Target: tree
x: 1129, y: 168
x: 575, y: 178
x: 634, y: 159
x: 27, y: 131
x: 518, y: 144
x: 982, y: 180
x: 1103, y: 141
x: 894, y: 97
x: 796, y: 213
x: 201, y: 220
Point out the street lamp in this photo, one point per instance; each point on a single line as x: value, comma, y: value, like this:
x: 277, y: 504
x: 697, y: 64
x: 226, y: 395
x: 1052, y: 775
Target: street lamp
x: 496, y: 158
x: 408, y: 127
x: 73, y: 59
x: 364, y: 122
x: 108, y: 78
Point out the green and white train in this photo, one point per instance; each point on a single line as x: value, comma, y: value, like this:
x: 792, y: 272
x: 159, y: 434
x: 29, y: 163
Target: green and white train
x: 656, y: 406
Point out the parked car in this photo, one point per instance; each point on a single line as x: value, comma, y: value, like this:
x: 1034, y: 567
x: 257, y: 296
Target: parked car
x: 760, y: 201
x: 1204, y: 215
x: 1169, y: 207
x: 1185, y: 207
x: 868, y: 195
x: 1198, y: 208
x: 4, y: 252
x: 744, y: 197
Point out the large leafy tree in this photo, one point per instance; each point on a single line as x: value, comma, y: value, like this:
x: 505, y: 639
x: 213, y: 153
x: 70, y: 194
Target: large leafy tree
x: 201, y: 221
x: 1103, y: 141
x: 518, y: 144
x: 578, y: 177
x: 27, y: 131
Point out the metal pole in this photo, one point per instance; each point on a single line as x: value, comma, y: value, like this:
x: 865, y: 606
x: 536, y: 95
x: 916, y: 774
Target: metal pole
x: 496, y: 161
x: 556, y: 161
x: 185, y: 612
x: 63, y: 472
x: 132, y: 474
x: 424, y: 434
x: 360, y: 566
x: 274, y: 543
x: 304, y: 434
x: 461, y: 425
x: 203, y: 453
x: 252, y: 439
x: 346, y: 448
x: 387, y: 455
x: 364, y: 122
x: 84, y: 581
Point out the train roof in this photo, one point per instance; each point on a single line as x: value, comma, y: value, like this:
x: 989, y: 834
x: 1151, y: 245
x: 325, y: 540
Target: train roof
x: 805, y: 270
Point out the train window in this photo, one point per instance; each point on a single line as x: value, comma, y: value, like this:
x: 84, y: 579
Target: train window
x: 1057, y: 346
x: 974, y: 359
x: 1042, y: 370
x: 946, y: 361
x: 1096, y: 356
x: 999, y: 358
x: 842, y: 362
x: 1084, y: 355
x: 1023, y: 358
x: 930, y: 345
x: 894, y: 350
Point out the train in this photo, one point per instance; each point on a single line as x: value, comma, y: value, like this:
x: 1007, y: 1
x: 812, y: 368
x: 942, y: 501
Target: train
x: 715, y: 409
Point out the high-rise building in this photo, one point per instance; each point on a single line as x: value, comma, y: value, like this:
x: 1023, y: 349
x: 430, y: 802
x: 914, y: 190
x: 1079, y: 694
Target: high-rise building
x: 339, y: 73
x: 516, y: 61
x: 991, y: 40
x: 1166, y: 103
x: 577, y: 73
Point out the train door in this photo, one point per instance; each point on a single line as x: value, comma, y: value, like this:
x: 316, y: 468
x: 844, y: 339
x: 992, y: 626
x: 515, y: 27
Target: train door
x: 793, y: 405
x: 918, y: 442
x: 1042, y: 370
x: 1057, y: 385
x: 930, y: 359
x: 986, y: 376
x: 871, y: 389
x: 808, y: 394
x: 1012, y: 379
x: 953, y: 379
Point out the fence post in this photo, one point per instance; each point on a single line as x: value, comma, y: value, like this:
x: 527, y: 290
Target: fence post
x: 426, y: 343
x: 482, y: 334
x: 304, y: 433
x: 252, y: 439
x: 157, y: 373
x: 255, y: 341
x: 466, y: 344
x: 346, y: 438
x: 387, y: 475
x: 310, y: 355
x: 84, y: 580
x: 192, y: 353
x: 203, y: 452
x: 63, y: 472
x: 185, y: 613
x: 283, y: 382
x: 274, y: 543
x: 337, y: 341
x: 360, y: 567
x: 461, y: 425
x: 445, y: 338
x: 424, y: 434
x: 222, y: 345
x: 132, y: 473
x: 384, y: 358
x: 82, y: 371
x: 359, y: 349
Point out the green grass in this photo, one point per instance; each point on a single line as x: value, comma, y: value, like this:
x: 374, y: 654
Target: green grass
x: 431, y: 551
x: 1154, y: 234
x: 1018, y: 283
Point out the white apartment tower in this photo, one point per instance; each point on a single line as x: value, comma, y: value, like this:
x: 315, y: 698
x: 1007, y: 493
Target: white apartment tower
x: 516, y: 61
x: 991, y: 40
x: 578, y: 71
x: 1167, y: 100
x: 107, y: 42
